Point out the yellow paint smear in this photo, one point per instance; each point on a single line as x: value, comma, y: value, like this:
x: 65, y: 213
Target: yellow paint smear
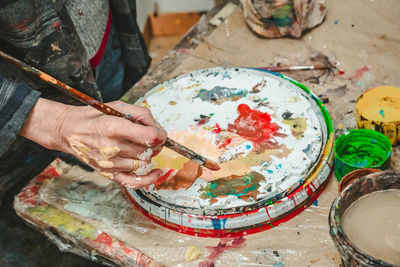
x: 229, y: 168
x: 297, y: 125
x: 191, y: 86
x: 59, y: 219
x: 161, y: 88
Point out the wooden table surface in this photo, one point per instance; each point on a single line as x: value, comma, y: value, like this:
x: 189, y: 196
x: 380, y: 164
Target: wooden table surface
x: 360, y: 38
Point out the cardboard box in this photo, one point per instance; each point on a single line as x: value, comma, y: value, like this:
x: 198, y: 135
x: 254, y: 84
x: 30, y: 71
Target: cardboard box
x: 172, y: 23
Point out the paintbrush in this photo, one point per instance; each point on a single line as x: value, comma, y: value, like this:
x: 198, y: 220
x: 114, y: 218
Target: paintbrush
x: 291, y: 68
x: 169, y: 143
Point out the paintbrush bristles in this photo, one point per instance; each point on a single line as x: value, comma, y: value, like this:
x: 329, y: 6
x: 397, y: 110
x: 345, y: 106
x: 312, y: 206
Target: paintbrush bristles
x: 211, y: 165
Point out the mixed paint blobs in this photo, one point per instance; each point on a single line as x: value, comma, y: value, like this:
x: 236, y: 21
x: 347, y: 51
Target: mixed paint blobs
x: 298, y: 126
x: 203, y: 119
x: 184, y: 178
x: 257, y: 88
x: 255, y: 126
x: 220, y: 94
x: 245, y: 187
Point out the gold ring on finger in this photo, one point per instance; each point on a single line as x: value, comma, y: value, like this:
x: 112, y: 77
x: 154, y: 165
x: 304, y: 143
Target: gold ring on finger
x: 135, y: 166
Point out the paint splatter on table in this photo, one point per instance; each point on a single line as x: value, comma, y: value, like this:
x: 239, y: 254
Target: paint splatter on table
x: 85, y: 213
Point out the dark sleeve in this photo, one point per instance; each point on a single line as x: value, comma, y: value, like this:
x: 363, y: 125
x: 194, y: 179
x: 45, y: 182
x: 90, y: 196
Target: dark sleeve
x: 16, y: 102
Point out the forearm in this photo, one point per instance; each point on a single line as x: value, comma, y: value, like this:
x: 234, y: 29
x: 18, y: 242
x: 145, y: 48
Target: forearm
x: 16, y: 102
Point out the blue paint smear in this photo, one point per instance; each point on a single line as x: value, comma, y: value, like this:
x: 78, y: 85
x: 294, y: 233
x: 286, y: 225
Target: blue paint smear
x: 315, y: 203
x: 270, y: 171
x: 248, y: 146
x: 274, y: 73
x: 278, y: 166
x: 218, y: 223
x: 381, y: 112
x: 307, y: 148
x: 336, y: 21
x: 226, y: 76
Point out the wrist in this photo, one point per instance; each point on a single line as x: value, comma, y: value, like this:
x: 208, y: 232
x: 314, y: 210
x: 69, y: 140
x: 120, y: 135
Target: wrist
x: 45, y: 122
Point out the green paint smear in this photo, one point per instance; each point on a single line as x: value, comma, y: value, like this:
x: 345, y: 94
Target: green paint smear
x: 62, y: 220
x: 242, y: 187
x: 281, y: 17
x: 363, y: 148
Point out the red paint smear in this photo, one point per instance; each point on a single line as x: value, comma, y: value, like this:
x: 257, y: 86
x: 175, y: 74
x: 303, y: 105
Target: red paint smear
x: 125, y: 249
x: 156, y: 142
x: 56, y: 25
x: 20, y: 25
x: 156, y: 152
x: 224, y: 244
x: 48, y: 173
x: 201, y: 122
x: 224, y: 233
x: 340, y: 72
x: 216, y: 129
x: 225, y: 143
x: 103, y: 239
x: 254, y: 126
x: 163, y: 178
x: 29, y: 195
x: 359, y: 73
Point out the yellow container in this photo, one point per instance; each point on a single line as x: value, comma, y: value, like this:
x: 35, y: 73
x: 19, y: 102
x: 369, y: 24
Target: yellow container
x: 379, y: 109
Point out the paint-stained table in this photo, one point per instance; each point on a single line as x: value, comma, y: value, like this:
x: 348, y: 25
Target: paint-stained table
x: 91, y: 216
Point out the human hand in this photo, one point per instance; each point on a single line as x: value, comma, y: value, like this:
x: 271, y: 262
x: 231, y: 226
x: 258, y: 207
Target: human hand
x: 111, y: 145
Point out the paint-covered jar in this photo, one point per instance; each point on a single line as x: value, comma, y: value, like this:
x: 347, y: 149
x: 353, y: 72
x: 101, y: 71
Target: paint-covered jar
x: 373, y: 183
x: 361, y: 148
x: 353, y: 176
x: 379, y: 109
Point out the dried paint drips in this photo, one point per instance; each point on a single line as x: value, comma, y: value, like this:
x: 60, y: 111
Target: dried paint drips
x: 357, y: 75
x: 223, y: 244
x: 255, y: 126
x: 220, y: 94
x: 244, y: 187
x: 257, y: 88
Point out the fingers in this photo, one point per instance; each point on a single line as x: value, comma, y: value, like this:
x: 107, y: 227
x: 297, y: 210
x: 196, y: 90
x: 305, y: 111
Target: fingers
x: 147, y: 131
x: 138, y: 181
x: 139, y: 134
x: 120, y: 164
x: 140, y: 114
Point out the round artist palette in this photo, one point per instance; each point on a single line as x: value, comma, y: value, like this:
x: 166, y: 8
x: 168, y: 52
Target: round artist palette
x: 269, y: 134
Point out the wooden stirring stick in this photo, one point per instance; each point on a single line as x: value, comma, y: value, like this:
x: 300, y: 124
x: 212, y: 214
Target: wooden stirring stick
x: 171, y: 144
